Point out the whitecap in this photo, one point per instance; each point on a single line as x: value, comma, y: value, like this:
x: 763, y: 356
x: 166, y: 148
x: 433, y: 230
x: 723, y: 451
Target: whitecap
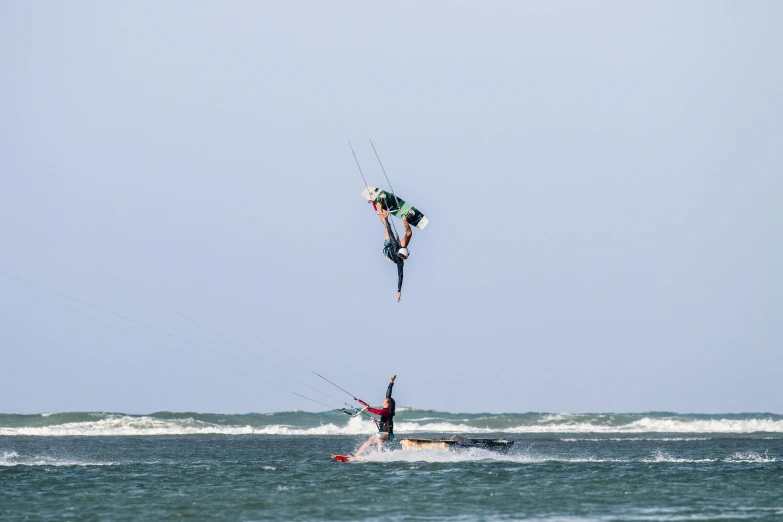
x: 12, y: 458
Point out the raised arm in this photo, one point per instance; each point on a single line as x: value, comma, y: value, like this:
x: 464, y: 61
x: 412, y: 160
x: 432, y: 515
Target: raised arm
x: 391, y: 385
x: 400, y: 265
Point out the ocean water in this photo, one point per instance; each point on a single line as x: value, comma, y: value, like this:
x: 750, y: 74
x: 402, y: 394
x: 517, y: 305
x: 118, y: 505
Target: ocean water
x: 172, y: 466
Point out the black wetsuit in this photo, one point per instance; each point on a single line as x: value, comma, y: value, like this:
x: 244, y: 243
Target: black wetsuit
x: 390, y: 251
x: 386, y: 424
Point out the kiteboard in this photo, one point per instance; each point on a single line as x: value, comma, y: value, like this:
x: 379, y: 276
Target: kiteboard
x: 396, y: 206
x: 342, y: 458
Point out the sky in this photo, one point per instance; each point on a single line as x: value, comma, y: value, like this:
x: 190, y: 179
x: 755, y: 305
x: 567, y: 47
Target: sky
x: 181, y: 226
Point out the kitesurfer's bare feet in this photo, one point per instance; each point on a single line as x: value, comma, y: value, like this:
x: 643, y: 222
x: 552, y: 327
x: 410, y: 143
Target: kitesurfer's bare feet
x: 399, y: 296
x: 393, y: 377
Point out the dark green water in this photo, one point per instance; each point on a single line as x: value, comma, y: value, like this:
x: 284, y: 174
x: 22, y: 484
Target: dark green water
x: 254, y: 476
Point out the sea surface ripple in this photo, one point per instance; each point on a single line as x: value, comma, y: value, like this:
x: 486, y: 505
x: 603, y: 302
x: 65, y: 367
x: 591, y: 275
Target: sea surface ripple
x: 644, y: 466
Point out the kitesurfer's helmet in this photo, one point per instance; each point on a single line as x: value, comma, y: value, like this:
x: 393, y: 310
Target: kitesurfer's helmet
x: 403, y: 253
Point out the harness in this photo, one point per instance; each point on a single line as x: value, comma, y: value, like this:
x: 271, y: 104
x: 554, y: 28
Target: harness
x: 385, y: 426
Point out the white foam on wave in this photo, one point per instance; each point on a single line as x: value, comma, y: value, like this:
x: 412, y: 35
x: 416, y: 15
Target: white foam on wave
x: 652, y: 425
x: 119, y: 425
x: 706, y: 426
x: 554, y: 424
x: 750, y: 456
x: 123, y: 425
x: 644, y: 425
x: 634, y: 439
x: 12, y: 458
x: 355, y: 426
x: 434, y: 456
x: 662, y: 456
x: 554, y: 417
x: 476, y: 455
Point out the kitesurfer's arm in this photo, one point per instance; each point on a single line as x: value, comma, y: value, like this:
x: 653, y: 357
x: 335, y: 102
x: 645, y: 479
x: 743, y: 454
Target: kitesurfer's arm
x: 382, y: 412
x: 400, y: 264
x: 391, y: 385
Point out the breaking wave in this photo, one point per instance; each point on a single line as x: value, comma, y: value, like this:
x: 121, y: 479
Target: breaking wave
x: 598, y: 427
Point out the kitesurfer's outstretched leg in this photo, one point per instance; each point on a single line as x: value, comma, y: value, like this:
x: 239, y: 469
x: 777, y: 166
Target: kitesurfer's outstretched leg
x: 385, y: 425
x: 408, y: 233
x: 395, y: 250
x: 384, y: 215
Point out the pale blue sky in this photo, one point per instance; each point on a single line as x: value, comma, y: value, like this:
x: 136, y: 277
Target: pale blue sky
x: 603, y: 182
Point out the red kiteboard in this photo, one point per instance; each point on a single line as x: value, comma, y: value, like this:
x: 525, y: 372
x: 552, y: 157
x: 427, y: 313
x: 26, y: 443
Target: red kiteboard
x: 342, y: 458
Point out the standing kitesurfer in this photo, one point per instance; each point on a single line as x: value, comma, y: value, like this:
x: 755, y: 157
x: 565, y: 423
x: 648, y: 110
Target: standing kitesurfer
x: 386, y: 424
x: 395, y: 249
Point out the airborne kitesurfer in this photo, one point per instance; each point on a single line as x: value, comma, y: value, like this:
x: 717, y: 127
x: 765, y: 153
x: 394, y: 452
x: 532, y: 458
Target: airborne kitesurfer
x: 395, y: 249
x: 386, y: 424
